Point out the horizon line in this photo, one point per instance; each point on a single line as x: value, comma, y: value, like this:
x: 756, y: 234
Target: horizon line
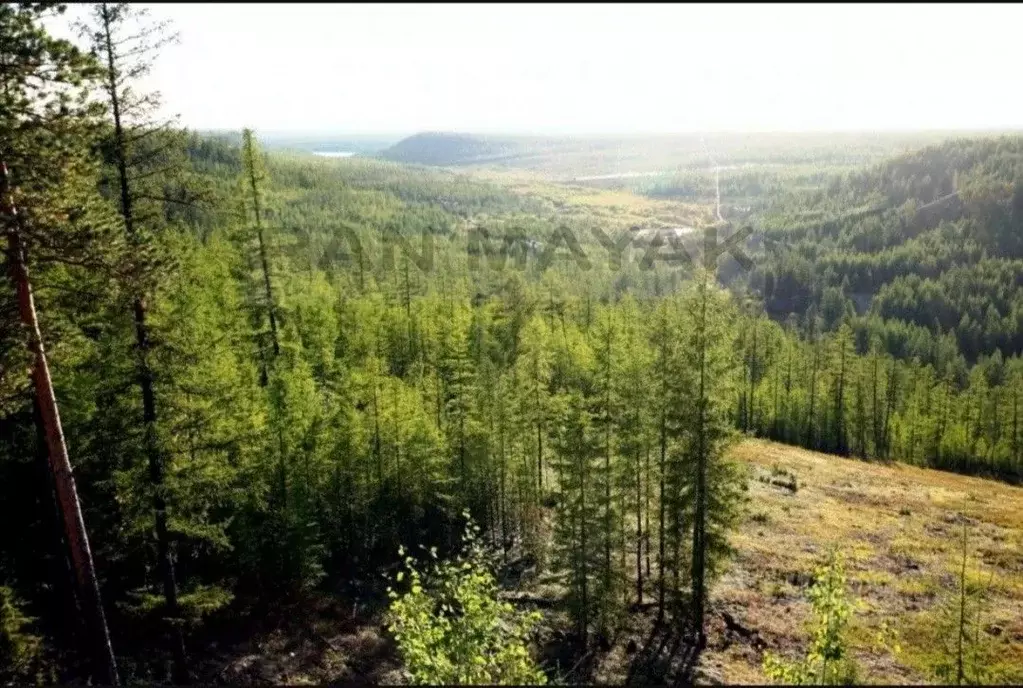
x: 604, y: 133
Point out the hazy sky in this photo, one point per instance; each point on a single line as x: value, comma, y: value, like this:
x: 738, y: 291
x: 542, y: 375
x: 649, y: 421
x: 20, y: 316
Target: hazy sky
x: 597, y: 68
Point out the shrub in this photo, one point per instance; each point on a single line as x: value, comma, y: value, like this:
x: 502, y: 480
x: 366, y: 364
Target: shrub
x: 451, y: 628
x: 827, y: 661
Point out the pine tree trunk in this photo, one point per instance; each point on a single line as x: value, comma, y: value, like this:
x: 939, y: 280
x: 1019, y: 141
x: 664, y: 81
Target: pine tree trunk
x: 539, y: 427
x: 752, y: 380
x: 891, y: 395
x: 1015, y: 429
x: 875, y: 414
x: 788, y: 397
x: 60, y: 464
x: 777, y: 384
x: 62, y: 570
x: 607, y: 471
x: 583, y: 551
x: 639, y: 531
x: 840, y: 443
x: 646, y: 510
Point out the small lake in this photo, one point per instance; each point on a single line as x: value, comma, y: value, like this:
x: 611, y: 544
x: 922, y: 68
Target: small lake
x: 334, y: 154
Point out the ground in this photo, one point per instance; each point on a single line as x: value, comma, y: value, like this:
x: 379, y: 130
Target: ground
x: 898, y: 527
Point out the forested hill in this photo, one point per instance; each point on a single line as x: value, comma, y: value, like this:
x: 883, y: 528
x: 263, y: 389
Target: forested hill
x: 930, y: 242
x: 575, y: 157
x: 438, y: 148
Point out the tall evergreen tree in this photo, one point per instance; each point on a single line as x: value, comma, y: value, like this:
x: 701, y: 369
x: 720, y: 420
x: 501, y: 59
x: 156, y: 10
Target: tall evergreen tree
x: 47, y: 126
x: 127, y: 56
x: 713, y: 485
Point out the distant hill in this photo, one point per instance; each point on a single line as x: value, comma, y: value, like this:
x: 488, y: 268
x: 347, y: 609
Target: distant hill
x: 358, y: 144
x: 451, y: 149
x: 576, y: 158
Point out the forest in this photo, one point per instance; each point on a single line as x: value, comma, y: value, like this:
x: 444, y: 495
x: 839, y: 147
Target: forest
x: 231, y: 379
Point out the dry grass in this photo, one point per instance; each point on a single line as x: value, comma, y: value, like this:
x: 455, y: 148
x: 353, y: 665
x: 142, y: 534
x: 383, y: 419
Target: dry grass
x: 898, y: 526
x: 618, y: 207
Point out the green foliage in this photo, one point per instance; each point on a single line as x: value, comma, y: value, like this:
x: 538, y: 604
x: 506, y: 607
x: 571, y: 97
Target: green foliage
x: 452, y: 629
x: 21, y: 651
x: 924, y: 247
x: 827, y: 661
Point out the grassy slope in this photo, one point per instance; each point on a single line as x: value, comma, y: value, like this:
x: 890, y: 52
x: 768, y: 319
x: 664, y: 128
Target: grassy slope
x: 896, y: 524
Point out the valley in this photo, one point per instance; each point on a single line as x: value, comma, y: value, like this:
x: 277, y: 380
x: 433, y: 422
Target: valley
x: 286, y: 405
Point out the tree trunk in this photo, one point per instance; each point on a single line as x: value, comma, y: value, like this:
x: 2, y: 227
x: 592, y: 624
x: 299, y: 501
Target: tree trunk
x: 607, y: 470
x: 264, y: 261
x: 752, y: 381
x: 1015, y: 429
x: 60, y: 464
x: 539, y: 426
x: 840, y: 443
x: 646, y: 511
x: 810, y: 443
x: 639, y: 531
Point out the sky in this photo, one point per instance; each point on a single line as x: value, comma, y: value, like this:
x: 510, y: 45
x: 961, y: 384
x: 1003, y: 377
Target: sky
x: 586, y: 69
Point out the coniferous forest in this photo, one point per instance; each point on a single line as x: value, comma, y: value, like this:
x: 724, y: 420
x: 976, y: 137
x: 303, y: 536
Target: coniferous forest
x: 233, y: 380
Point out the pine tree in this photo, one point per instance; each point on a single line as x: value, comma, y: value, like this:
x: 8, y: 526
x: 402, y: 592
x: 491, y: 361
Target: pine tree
x: 46, y: 126
x: 664, y: 342
x: 633, y: 428
x: 841, y: 359
x: 254, y: 177
x: 609, y: 479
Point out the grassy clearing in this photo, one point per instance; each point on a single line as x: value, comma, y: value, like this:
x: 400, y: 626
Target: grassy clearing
x: 898, y: 527
x: 617, y: 207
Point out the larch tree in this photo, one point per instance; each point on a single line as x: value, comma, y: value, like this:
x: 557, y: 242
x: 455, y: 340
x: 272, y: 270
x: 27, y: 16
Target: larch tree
x: 126, y: 46
x: 714, y: 488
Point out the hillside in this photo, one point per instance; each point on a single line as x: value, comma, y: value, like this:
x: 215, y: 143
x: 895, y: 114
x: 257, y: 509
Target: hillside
x: 493, y: 410
x: 930, y: 240
x: 312, y: 142
x: 897, y: 526
x: 604, y: 160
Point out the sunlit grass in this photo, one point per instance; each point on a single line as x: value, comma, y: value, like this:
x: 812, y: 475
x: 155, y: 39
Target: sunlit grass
x: 898, y: 528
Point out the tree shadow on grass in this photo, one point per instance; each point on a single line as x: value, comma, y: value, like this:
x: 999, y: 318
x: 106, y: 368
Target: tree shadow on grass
x: 668, y: 657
